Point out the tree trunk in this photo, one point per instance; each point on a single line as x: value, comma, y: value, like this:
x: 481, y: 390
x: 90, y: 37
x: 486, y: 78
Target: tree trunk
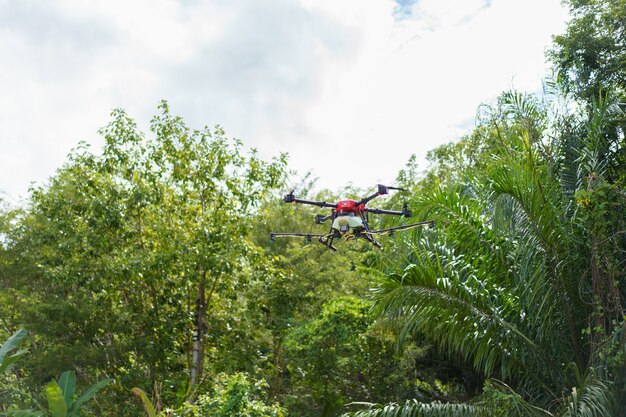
x: 199, y: 336
x: 276, y: 387
x: 197, y: 358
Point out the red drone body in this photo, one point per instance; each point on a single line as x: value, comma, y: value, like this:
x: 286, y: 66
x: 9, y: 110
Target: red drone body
x: 349, y: 219
x: 350, y: 206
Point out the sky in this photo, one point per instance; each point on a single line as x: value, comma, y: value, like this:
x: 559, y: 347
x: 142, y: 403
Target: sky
x: 350, y: 89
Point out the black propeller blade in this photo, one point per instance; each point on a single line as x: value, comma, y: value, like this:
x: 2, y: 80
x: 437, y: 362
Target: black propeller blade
x: 383, y: 189
x: 396, y: 188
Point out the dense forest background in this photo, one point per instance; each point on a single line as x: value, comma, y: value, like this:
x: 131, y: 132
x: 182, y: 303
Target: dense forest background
x: 140, y: 279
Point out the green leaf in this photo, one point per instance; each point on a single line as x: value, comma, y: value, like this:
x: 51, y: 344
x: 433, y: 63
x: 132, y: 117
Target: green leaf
x: 10, y: 360
x: 147, y: 404
x: 67, y: 382
x: 56, y: 402
x: 8, y: 346
x: 87, y: 395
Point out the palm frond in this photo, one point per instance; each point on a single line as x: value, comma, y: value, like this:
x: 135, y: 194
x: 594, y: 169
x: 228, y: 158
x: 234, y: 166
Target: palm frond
x: 595, y: 155
x: 594, y: 397
x: 531, y: 282
x: 414, y: 408
x: 462, y: 217
x: 465, y: 316
x: 535, y: 194
x: 547, y: 240
x: 525, y: 110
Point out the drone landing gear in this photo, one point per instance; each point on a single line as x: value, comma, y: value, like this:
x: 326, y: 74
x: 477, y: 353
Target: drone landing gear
x: 371, y: 240
x: 328, y: 242
x: 366, y: 235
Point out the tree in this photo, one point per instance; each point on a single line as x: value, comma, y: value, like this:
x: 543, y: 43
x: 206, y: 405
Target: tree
x: 589, y: 57
x: 136, y: 249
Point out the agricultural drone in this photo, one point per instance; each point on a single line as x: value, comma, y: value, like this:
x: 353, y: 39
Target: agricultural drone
x: 350, y: 219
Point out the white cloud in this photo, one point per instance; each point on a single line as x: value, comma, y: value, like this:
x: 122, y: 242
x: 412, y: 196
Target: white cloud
x: 350, y: 89
x: 415, y: 84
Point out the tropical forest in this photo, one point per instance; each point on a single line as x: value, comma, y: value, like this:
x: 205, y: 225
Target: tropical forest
x: 141, y: 280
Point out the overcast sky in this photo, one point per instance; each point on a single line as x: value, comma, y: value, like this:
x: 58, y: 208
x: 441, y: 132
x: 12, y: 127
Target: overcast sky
x: 349, y: 88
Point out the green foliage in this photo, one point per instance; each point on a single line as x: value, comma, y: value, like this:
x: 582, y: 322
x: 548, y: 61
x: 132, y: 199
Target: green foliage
x: 327, y: 356
x: 412, y: 408
x: 503, y: 281
x: 498, y: 399
x: 88, y: 394
x: 60, y: 397
x: 512, y: 306
x: 233, y: 396
x: 594, y: 396
x: 339, y: 357
x: 590, y: 55
x: 24, y: 413
x: 56, y: 403
x: 147, y: 404
x: 9, y: 352
x: 119, y: 246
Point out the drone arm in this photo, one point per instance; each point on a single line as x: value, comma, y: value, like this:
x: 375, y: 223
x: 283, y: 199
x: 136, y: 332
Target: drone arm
x: 382, y: 190
x: 390, y: 230
x: 367, y: 199
x: 406, y: 212
x: 290, y: 198
x: 314, y: 203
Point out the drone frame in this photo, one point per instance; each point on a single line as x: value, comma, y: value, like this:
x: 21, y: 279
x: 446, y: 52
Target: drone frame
x: 346, y: 207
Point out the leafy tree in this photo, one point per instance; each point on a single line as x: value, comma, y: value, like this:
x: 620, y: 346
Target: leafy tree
x: 590, y: 55
x: 136, y: 249
x: 327, y: 354
x: 339, y: 357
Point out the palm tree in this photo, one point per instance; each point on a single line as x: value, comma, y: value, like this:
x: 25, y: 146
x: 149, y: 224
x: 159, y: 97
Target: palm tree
x: 510, y: 281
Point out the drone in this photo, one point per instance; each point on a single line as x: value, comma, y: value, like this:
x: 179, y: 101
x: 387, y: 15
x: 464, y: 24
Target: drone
x: 349, y: 219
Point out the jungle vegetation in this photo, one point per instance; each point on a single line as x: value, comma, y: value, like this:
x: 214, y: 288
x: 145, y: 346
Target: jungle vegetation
x: 140, y: 279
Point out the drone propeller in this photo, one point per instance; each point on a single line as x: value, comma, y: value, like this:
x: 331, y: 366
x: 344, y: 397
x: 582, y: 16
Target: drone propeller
x: 381, y: 190
x: 384, y: 189
x: 394, y: 188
